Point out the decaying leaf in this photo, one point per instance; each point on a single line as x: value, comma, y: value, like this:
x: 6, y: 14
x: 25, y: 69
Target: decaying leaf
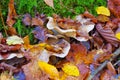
x: 49, y: 3
x: 52, y: 25
x: 77, y: 53
x: 114, y: 5
x: 107, y: 34
x: 49, y: 69
x: 103, y: 10
x: 65, y: 49
x: 27, y: 19
x: 12, y: 40
x: 70, y: 69
x: 32, y: 71
x: 11, y: 14
x: 40, y: 34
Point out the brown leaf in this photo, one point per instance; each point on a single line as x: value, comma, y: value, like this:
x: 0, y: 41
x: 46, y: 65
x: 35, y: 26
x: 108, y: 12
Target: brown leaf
x: 102, y: 18
x: 37, y: 22
x: 111, y: 68
x: 77, y: 53
x: 11, y: 31
x: 108, y: 35
x: 11, y: 14
x: 32, y: 71
x: 84, y: 71
x: 88, y: 15
x: 114, y: 6
x: 49, y: 3
x: 27, y: 19
x: 106, y: 75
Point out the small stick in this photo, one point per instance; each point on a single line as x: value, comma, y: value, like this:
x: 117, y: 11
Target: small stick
x: 115, y: 54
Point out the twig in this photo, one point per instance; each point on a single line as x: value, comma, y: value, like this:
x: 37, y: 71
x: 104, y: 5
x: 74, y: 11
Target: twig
x: 117, y: 63
x: 115, y: 54
x: 3, y: 21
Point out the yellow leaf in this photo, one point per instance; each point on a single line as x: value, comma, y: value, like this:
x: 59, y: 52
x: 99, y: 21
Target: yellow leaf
x: 12, y: 40
x: 70, y: 69
x: 49, y: 69
x: 103, y: 10
x: 117, y: 35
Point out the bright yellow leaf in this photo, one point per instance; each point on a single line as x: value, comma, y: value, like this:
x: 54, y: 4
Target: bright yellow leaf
x: 117, y: 35
x: 49, y: 69
x: 70, y: 69
x: 103, y: 10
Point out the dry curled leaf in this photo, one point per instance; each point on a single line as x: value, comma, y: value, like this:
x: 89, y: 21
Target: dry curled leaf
x: 49, y: 3
x: 11, y: 14
x: 107, y: 34
x: 27, y: 19
x: 114, y: 5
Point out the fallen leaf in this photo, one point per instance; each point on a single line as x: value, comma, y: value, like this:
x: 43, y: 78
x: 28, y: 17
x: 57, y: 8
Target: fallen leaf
x: 40, y: 34
x: 107, y: 34
x: 49, y: 3
x: 12, y: 40
x: 84, y: 71
x: 11, y: 31
x: 52, y: 25
x: 111, y: 68
x: 6, y: 76
x: 70, y: 69
x: 88, y: 15
x: 117, y: 35
x: 49, y: 69
x: 27, y: 19
x: 113, y: 6
x: 19, y: 76
x: 102, y: 18
x: 77, y: 53
x: 103, y: 10
x: 11, y: 14
x: 32, y: 71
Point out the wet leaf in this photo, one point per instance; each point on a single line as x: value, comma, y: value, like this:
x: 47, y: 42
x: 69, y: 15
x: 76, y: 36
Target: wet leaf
x: 70, y: 69
x: 12, y: 40
x: 11, y: 14
x: 49, y: 69
x: 49, y: 3
x: 103, y: 10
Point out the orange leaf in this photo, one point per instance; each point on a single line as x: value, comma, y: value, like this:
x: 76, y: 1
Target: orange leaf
x: 49, y: 3
x: 11, y: 14
x: 77, y: 53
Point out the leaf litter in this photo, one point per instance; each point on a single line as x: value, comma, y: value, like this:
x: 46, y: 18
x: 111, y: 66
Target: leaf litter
x: 65, y: 48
